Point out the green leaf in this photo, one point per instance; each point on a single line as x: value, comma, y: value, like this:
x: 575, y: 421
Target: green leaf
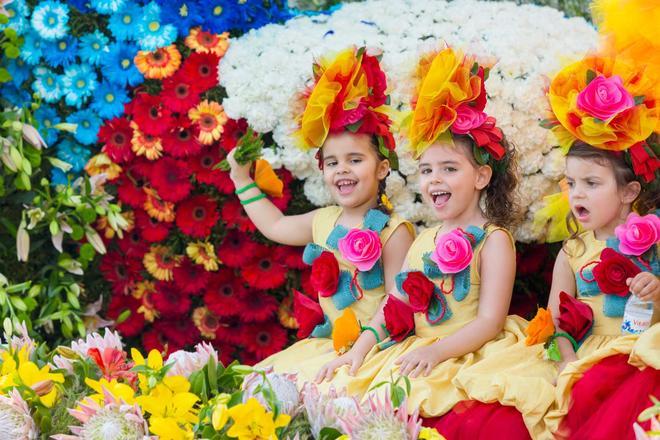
x: 212, y: 370
x: 18, y: 303
x: 398, y: 396
x: 354, y: 127
x: 123, y: 316
x: 329, y: 434
x: 591, y: 75
x: 54, y: 227
x: 11, y: 51
x: 5, y: 76
x: 30, y: 303
x: 77, y: 232
x: 87, y: 252
x: 640, y: 99
x: 10, y: 33
x: 88, y: 215
x: 72, y: 299
x: 4, y: 19
x: 553, y: 351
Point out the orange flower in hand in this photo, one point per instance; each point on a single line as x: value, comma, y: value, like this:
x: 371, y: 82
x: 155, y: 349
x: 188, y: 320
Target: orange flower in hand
x: 345, y: 331
x: 540, y: 328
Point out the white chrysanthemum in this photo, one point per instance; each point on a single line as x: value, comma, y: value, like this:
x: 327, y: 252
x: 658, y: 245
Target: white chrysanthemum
x: 283, y: 386
x: 15, y: 420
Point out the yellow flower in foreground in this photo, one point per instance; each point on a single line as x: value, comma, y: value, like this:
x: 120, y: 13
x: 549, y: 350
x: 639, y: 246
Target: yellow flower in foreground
x: 252, y: 421
x: 204, y: 254
x: 117, y: 389
x: 430, y: 434
x: 154, y: 361
x: 41, y: 380
x: 172, y: 408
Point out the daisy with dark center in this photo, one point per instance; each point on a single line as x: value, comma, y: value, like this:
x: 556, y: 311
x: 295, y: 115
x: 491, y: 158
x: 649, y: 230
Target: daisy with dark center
x: 131, y: 184
x: 181, y: 332
x: 264, y: 271
x: 197, y: 215
x: 171, y: 178
x: 237, y: 249
x: 160, y: 63
x: 160, y: 262
x: 182, y: 140
x: 144, y: 291
x: 153, y: 339
x: 203, y: 253
x: 203, y: 68
x: 151, y: 229
x: 291, y: 257
x: 122, y: 272
x: 210, y: 118
x: 206, y: 42
x: 202, y: 168
x: 206, y: 322
x: 146, y: 145
x: 180, y: 93
x: 133, y: 245
x: 189, y: 277
x: 116, y: 135
x: 257, y: 307
x: 119, y: 305
x: 224, y: 293
x: 264, y: 339
x: 234, y: 214
x: 150, y: 115
x: 157, y: 208
x: 230, y: 331
x: 170, y: 301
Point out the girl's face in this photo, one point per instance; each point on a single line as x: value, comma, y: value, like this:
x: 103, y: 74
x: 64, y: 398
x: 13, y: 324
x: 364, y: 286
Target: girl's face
x: 596, y: 200
x: 450, y: 182
x: 352, y: 169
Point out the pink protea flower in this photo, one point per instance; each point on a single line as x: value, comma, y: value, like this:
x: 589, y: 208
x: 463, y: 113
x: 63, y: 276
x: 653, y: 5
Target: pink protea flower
x: 16, y: 423
x: 185, y: 363
x: 283, y: 387
x: 324, y: 410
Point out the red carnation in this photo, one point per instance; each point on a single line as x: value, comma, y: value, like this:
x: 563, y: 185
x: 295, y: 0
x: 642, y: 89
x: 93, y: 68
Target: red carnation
x: 234, y: 214
x: 224, y: 293
x: 644, y: 161
x: 180, y: 93
x: 171, y: 178
x: 202, y: 167
x: 257, y: 307
x: 151, y: 229
x: 182, y: 140
x: 612, y: 272
x: 197, y: 215
x: 120, y: 271
x: 134, y: 323
x: 178, y: 332
x: 202, y: 69
x: 132, y: 245
x: 233, y: 130
x: 325, y: 274
x: 264, y: 272
x: 419, y: 290
x: 191, y: 278
x: 236, y: 249
x: 291, y: 257
x: 170, y: 301
x: 150, y: 115
x: 399, y: 318
x: 116, y: 134
x: 264, y: 339
x: 575, y: 317
x: 308, y: 314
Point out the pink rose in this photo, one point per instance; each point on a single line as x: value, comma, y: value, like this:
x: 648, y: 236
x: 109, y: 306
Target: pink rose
x: 638, y: 234
x: 361, y: 247
x: 467, y: 118
x: 453, y: 252
x: 605, y: 97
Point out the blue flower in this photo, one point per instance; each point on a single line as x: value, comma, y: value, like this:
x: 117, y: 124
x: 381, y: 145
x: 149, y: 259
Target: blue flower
x: 109, y: 100
x: 118, y: 65
x: 184, y: 14
x: 88, y: 126
x: 123, y: 24
x: 152, y: 32
x: 17, y: 11
x: 107, y: 6
x: 31, y: 52
x: 219, y: 15
x: 18, y: 70
x: 51, y: 19
x: 252, y: 14
x: 61, y: 52
x: 79, y: 81
x: 17, y: 96
x: 47, y: 118
x: 74, y: 154
x: 58, y: 177
x: 47, y: 84
x: 93, y: 47
x: 81, y: 5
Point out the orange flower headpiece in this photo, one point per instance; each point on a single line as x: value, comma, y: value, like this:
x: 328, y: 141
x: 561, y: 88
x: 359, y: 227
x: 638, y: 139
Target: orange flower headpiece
x: 348, y: 95
x: 450, y: 99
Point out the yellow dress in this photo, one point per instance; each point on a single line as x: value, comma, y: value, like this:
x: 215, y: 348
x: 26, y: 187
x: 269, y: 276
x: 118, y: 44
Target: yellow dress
x: 306, y: 357
x: 436, y: 394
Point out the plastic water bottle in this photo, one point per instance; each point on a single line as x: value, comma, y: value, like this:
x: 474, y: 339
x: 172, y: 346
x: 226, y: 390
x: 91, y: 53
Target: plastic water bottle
x: 637, y: 316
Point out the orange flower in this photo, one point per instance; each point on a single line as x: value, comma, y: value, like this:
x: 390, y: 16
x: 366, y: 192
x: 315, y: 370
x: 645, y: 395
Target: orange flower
x: 144, y: 291
x: 206, y: 322
x: 540, y: 328
x: 206, y: 42
x: 157, y: 208
x: 211, y: 117
x: 345, y: 331
x: 101, y: 163
x: 285, y: 314
x: 266, y: 179
x: 160, y: 262
x: 159, y: 64
x: 146, y: 145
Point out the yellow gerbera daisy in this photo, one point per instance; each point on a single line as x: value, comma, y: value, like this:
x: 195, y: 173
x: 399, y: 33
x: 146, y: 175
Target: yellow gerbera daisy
x: 206, y: 42
x: 146, y: 145
x: 101, y: 163
x: 157, y: 208
x: 204, y: 254
x: 206, y: 321
x: 211, y: 117
x: 144, y: 291
x: 160, y: 262
x: 160, y: 63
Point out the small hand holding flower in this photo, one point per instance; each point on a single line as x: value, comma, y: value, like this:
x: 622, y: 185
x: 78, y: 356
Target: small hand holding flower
x: 645, y: 286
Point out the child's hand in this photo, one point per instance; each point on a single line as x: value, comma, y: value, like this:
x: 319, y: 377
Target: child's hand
x: 239, y: 174
x: 645, y: 286
x: 352, y: 358
x: 421, y: 360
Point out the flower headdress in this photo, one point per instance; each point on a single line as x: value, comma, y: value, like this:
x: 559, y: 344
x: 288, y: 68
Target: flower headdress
x: 449, y: 100
x: 348, y: 95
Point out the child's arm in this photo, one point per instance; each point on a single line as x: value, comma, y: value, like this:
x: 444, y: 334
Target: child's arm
x: 294, y: 230
x: 563, y: 279
x: 497, y: 271
x: 393, y: 259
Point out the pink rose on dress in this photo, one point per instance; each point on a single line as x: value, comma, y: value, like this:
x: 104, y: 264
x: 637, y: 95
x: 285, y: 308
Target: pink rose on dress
x: 638, y: 234
x: 361, y: 247
x: 605, y: 97
x: 467, y: 118
x: 453, y: 252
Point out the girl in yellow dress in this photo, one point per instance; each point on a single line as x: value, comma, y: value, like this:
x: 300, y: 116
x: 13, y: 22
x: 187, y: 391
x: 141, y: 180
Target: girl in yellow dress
x: 355, y: 248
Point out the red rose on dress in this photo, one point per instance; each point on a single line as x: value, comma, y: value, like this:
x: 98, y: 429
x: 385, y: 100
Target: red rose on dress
x: 325, y: 274
x: 575, y: 317
x: 307, y: 312
x: 399, y: 318
x: 612, y: 272
x: 419, y: 290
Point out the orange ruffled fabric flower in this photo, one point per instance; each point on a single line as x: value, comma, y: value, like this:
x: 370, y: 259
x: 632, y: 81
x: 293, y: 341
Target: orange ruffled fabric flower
x: 540, y: 328
x: 266, y: 179
x: 345, y: 331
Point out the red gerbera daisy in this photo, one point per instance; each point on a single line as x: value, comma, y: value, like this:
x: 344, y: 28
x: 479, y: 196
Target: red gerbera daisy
x: 150, y: 115
x: 291, y: 257
x: 171, y: 178
x: 202, y: 68
x: 282, y: 203
x: 181, y: 140
x: 234, y: 214
x: 224, y: 293
x: 230, y: 330
x: 202, y: 167
x: 132, y: 245
x: 236, y: 249
x: 120, y: 271
x: 226, y: 351
x: 154, y: 339
x: 257, y: 307
x: 191, y: 278
x: 134, y: 323
x: 264, y: 271
x: 116, y: 134
x: 130, y: 184
x: 180, y: 93
x: 151, y: 229
x: 233, y: 130
x: 181, y: 332
x: 197, y: 215
x: 264, y: 339
x: 170, y: 301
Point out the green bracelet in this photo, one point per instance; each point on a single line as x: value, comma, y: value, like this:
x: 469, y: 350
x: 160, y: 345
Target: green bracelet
x: 245, y: 188
x: 253, y: 199
x: 373, y: 330
x: 569, y: 337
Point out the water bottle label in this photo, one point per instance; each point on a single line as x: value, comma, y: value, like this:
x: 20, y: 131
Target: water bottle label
x: 637, y: 316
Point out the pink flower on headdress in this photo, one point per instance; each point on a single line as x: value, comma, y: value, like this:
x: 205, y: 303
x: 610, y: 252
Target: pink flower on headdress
x: 638, y: 234
x: 467, y: 118
x: 605, y: 97
x: 361, y: 247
